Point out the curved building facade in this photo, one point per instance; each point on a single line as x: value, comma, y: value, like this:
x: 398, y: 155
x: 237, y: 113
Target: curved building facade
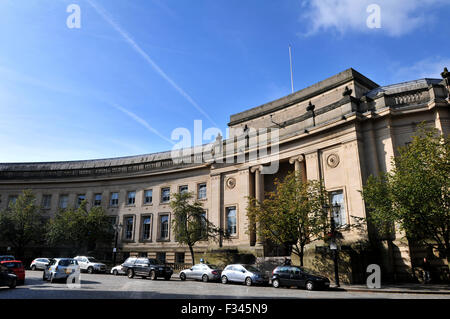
x: 340, y: 130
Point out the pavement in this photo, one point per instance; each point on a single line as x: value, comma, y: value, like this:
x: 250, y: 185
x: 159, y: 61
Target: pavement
x: 440, y: 289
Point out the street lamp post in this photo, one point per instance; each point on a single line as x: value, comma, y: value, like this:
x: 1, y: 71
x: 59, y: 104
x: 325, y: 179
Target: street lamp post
x: 334, y: 211
x: 117, y: 229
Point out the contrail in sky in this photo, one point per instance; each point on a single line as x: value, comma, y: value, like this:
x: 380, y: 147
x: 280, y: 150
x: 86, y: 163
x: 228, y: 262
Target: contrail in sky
x: 142, y: 122
x: 102, y: 12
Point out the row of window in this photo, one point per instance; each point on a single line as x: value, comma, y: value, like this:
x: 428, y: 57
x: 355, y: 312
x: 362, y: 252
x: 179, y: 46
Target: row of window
x: 164, y: 225
x: 114, y: 197
x: 161, y: 257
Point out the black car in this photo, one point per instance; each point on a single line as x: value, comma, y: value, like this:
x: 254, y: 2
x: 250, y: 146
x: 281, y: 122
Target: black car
x: 146, y: 267
x: 7, y: 277
x: 298, y: 276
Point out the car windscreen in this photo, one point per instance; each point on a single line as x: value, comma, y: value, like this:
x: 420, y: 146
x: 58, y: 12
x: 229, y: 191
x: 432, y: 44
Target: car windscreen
x: 64, y: 262
x: 212, y: 266
x: 251, y: 268
x: 310, y: 271
x: 92, y: 259
x: 13, y: 265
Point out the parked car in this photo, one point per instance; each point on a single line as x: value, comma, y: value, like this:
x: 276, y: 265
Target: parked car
x: 7, y: 277
x: 118, y: 270
x: 90, y: 264
x: 247, y: 274
x: 39, y: 263
x: 60, y: 268
x: 204, y: 272
x: 7, y: 257
x: 17, y: 267
x: 146, y: 267
x: 298, y: 276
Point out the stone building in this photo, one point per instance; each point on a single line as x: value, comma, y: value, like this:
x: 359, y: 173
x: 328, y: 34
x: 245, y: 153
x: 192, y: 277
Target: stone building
x: 340, y: 130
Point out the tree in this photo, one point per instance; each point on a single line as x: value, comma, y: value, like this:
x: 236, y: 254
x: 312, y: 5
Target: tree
x: 415, y: 194
x: 190, y: 224
x: 22, y: 224
x: 292, y: 215
x: 80, y: 228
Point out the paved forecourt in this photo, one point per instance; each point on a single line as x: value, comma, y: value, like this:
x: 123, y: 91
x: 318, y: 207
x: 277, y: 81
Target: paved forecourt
x: 108, y: 286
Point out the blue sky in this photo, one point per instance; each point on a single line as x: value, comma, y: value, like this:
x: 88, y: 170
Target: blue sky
x: 138, y: 69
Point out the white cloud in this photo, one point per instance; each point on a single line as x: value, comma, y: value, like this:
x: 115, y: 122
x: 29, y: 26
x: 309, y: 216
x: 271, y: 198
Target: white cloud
x: 426, y: 68
x: 398, y: 17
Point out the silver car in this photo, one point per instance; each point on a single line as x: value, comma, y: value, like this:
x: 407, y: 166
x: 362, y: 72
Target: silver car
x: 61, y: 268
x: 243, y: 274
x: 203, y: 272
x: 118, y: 270
x: 39, y: 263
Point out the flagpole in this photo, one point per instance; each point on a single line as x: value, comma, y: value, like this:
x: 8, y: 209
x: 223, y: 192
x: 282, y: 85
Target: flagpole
x: 292, y: 76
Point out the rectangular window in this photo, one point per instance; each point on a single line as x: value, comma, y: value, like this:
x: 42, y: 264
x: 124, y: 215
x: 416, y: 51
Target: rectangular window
x: 231, y: 221
x: 63, y: 201
x: 131, y: 198
x: 46, y: 201
x: 202, y: 191
x: 165, y: 195
x: 80, y: 199
x: 161, y: 257
x: 339, y: 214
x: 183, y: 189
x: 148, y: 196
x: 146, y: 227
x: 114, y: 200
x: 164, y: 226
x: 98, y: 200
x: 179, y: 258
x: 12, y: 199
x: 129, y: 228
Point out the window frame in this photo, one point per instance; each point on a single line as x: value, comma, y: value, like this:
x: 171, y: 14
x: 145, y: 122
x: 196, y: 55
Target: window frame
x: 236, y: 234
x: 111, y: 199
x: 141, y: 234
x: 61, y: 196
x: 145, y: 197
x: 44, y: 196
x: 159, y: 238
x: 344, y: 201
x: 124, y: 234
x: 162, y: 194
x: 95, y: 200
x: 206, y: 191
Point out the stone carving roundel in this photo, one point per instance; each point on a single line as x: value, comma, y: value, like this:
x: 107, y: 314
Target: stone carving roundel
x: 231, y: 183
x: 333, y: 160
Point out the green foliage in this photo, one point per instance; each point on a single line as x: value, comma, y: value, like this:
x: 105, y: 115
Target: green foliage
x: 189, y: 222
x: 22, y: 223
x: 292, y: 215
x: 415, y: 194
x: 80, y: 228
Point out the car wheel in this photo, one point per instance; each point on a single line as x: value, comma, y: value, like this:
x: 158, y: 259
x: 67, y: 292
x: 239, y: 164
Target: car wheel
x: 152, y: 275
x: 276, y: 283
x: 90, y: 270
x: 205, y: 278
x: 13, y: 284
x: 183, y: 276
x: 224, y: 279
x: 130, y: 273
x: 248, y: 281
x: 115, y: 272
x: 33, y: 267
x: 309, y: 285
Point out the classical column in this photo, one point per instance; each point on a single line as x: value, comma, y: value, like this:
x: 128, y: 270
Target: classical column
x: 259, y: 194
x: 299, y: 164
